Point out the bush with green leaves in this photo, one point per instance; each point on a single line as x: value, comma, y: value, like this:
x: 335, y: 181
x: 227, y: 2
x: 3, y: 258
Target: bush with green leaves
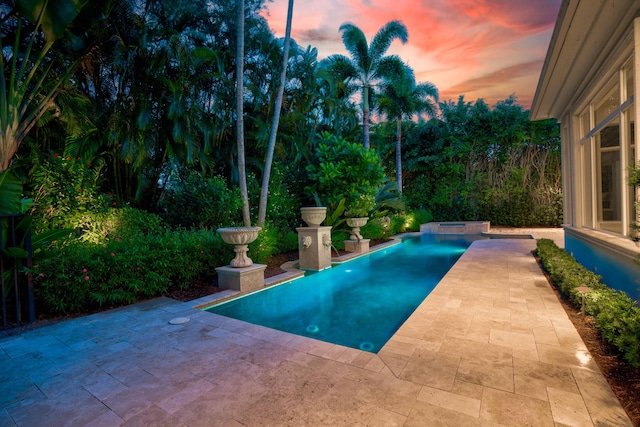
x: 376, y: 229
x: 103, y: 225
x: 283, y: 206
x: 192, y: 200
x: 126, y: 254
x: 85, y: 275
x: 617, y: 316
x: 345, y: 170
x: 386, y: 226
x: 62, y: 189
x: 265, y: 244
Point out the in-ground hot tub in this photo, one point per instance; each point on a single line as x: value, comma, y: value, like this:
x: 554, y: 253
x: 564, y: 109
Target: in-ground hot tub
x: 456, y: 227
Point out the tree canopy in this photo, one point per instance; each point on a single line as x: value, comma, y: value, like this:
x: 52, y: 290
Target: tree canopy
x: 148, y: 99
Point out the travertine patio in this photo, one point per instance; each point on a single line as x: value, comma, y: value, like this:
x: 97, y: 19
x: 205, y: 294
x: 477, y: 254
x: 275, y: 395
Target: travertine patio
x: 490, y: 346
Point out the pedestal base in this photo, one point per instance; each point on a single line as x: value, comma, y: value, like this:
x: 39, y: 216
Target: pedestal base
x: 245, y: 279
x: 361, y: 247
x: 314, y: 248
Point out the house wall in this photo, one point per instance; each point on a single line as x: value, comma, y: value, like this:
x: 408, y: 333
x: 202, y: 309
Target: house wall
x: 599, y: 206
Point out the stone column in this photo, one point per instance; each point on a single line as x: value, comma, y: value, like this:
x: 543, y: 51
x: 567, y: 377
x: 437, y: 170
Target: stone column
x: 314, y: 247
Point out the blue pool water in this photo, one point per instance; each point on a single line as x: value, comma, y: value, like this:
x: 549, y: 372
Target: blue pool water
x: 360, y: 303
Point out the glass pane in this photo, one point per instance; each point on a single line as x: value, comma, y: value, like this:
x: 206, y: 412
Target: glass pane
x: 630, y: 134
x: 631, y: 112
x: 609, y: 196
x: 628, y: 77
x: 587, y: 185
x: 629, y: 140
x: 608, y: 101
x: 609, y: 136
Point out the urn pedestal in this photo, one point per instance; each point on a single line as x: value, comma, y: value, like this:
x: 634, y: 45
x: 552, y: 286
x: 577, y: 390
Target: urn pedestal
x: 361, y: 247
x: 242, y: 274
x: 244, y: 279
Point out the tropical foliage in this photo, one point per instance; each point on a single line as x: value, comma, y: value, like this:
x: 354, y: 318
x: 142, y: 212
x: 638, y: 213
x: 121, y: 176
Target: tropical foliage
x: 482, y: 163
x: 345, y: 172
x: 142, y: 119
x: 32, y: 77
x: 401, y: 98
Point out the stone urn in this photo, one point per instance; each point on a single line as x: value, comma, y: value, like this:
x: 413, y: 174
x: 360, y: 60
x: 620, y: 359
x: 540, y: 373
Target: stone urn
x: 313, y: 216
x: 355, y: 224
x: 240, y: 237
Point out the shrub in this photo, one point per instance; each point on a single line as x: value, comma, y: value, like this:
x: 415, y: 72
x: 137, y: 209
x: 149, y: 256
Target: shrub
x: 85, y: 275
x: 283, y: 207
x: 265, y: 245
x: 62, y: 188
x: 420, y: 216
x: 337, y: 239
x: 193, y: 201
x: 616, y: 316
x: 287, y: 242
x: 346, y: 170
x: 101, y: 226
x: 376, y: 229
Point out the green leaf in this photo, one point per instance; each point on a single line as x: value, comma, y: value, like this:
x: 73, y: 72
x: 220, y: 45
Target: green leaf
x: 56, y: 16
x: 16, y: 252
x: 10, y: 193
x: 46, y: 237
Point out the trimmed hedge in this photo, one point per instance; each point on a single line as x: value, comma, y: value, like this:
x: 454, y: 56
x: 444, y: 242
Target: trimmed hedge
x: 616, y: 315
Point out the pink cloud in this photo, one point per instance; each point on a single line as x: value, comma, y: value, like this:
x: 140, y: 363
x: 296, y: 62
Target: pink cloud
x: 456, y: 44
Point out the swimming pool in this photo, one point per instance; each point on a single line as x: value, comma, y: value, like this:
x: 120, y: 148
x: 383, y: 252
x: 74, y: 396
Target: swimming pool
x: 360, y: 303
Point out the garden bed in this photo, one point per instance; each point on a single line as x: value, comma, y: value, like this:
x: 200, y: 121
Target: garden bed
x: 623, y: 378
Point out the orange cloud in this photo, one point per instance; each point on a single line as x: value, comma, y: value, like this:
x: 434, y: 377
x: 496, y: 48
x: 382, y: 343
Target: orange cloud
x: 498, y: 85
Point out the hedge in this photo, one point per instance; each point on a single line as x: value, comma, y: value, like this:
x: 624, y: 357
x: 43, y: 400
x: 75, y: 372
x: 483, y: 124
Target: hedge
x: 617, y: 316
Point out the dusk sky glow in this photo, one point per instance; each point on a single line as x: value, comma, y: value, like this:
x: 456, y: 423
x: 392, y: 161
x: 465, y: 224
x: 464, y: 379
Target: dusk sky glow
x: 477, y: 48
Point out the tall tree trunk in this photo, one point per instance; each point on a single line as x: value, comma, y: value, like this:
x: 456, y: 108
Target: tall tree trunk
x: 242, y: 174
x: 365, y: 115
x: 399, y: 155
x: 264, y: 191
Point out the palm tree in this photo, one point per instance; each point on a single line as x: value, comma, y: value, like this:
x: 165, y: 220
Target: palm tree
x: 368, y: 65
x: 403, y: 98
x: 242, y: 174
x: 264, y: 191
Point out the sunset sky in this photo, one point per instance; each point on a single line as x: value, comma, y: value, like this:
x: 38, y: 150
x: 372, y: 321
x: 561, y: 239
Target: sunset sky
x: 477, y: 48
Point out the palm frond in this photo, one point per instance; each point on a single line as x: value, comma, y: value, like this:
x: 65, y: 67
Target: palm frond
x: 340, y: 66
x: 390, y: 68
x: 356, y: 44
x: 383, y: 39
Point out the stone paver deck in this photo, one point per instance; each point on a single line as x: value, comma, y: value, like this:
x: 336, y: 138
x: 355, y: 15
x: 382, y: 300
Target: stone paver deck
x: 490, y: 346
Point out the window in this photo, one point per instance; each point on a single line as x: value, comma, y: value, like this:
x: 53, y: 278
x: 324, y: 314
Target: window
x: 606, y: 128
x: 587, y: 184
x: 629, y: 115
x: 609, y: 191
